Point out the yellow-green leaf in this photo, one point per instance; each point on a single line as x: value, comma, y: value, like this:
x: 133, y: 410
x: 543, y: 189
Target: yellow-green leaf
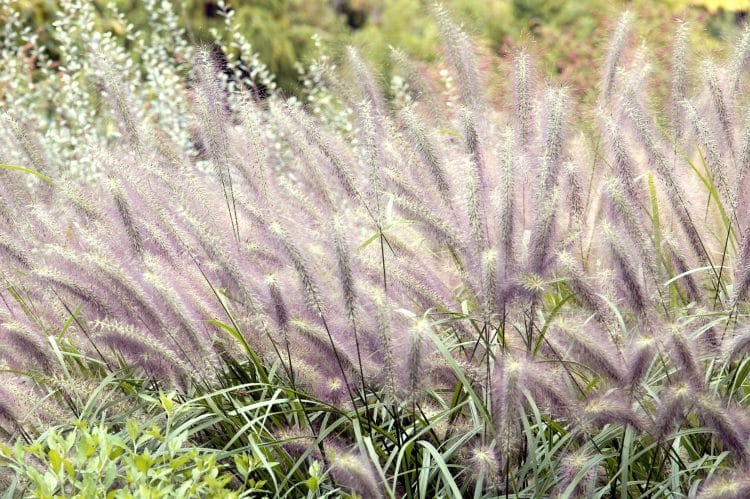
x: 143, y: 462
x: 55, y: 461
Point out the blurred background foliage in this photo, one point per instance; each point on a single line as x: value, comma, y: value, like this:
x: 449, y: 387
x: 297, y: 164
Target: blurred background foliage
x: 563, y: 34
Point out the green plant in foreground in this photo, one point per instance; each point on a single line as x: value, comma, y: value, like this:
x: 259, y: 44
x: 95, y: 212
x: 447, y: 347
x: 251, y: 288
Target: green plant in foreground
x: 128, y: 457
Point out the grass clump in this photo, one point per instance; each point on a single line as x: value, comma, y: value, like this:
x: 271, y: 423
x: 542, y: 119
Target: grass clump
x: 417, y: 297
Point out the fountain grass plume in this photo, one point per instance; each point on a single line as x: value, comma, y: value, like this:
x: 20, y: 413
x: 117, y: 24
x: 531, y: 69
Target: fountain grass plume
x: 385, y: 342
x: 555, y: 119
x: 126, y: 215
x: 737, y: 344
x: 506, y: 202
x: 576, y: 465
x: 428, y: 152
x: 743, y: 161
x: 523, y: 96
x: 461, y: 56
x: 642, y: 128
x: 630, y: 220
x: 740, y: 59
x: 213, y: 118
x: 585, y: 292
x: 734, y: 485
x: 507, y: 397
x: 615, y: 52
x: 611, y: 409
x: 710, y: 149
x: 622, y: 160
x: 122, y: 103
x: 636, y: 296
x: 685, y: 356
x: 679, y: 83
x: 715, y: 416
x: 590, y: 346
x: 574, y: 195
x: 423, y: 89
x: 675, y: 400
x: 712, y: 76
x: 476, y: 182
x: 485, y: 463
x: 490, y: 278
x: 416, y: 367
x: 28, y: 143
x: 369, y: 87
x: 682, y: 268
x: 354, y: 472
x: 641, y: 355
x: 542, y: 232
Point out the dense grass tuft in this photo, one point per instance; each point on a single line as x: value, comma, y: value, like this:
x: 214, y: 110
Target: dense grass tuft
x: 414, y: 297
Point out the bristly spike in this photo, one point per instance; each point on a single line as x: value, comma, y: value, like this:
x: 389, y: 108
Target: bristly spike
x: 386, y: 342
x: 636, y: 296
x: 507, y: 203
x: 719, y: 101
x: 711, y: 411
x: 732, y: 485
x: 643, y: 129
x: 428, y: 153
x: 416, y: 362
x: 741, y: 189
x: 641, y: 356
x: 354, y: 472
x: 623, y: 162
x: 365, y: 79
x: 210, y: 106
x: 740, y: 59
x: 523, y: 94
x: 555, y: 121
x: 615, y: 52
x: 680, y: 58
x: 571, y: 467
x: 540, y: 250
x: 461, y: 55
x: 577, y: 279
x: 710, y: 148
x: 126, y: 214
x: 476, y: 202
x: 28, y: 143
x: 421, y: 283
x: 506, y: 400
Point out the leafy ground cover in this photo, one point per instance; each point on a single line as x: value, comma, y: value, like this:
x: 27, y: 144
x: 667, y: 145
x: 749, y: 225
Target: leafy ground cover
x: 213, y: 289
